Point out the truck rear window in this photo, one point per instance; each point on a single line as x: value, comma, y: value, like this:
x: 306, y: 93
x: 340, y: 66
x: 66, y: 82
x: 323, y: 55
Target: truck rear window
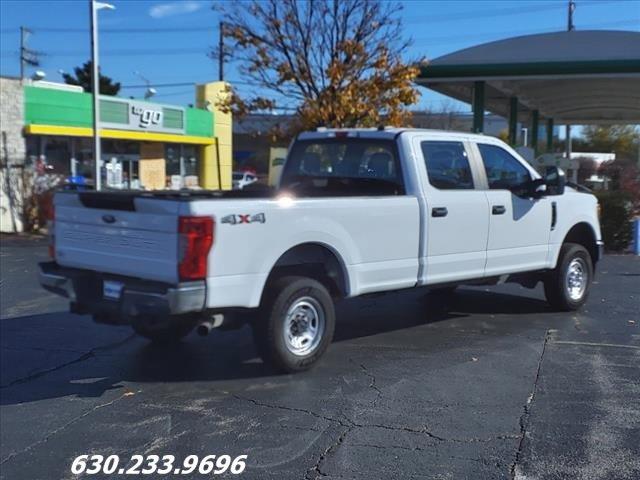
x: 343, y: 167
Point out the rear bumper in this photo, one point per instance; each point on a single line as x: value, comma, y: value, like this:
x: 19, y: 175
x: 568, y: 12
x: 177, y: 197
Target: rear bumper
x: 138, y: 297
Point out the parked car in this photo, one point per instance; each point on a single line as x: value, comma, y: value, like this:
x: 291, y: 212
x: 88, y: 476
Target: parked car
x: 242, y: 179
x: 356, y: 212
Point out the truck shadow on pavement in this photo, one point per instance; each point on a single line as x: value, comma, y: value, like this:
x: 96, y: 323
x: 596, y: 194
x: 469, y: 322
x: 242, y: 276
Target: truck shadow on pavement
x: 58, y: 364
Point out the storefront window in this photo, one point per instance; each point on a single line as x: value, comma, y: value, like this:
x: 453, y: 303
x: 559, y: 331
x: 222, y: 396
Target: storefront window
x: 172, y: 157
x: 190, y: 160
x: 57, y: 155
x: 121, y: 168
x: 83, y: 154
x: 182, y: 165
x: 33, y: 149
x: 72, y: 158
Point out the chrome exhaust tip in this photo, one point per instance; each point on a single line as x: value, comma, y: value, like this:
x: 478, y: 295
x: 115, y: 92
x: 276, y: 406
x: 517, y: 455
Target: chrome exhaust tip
x: 206, y: 326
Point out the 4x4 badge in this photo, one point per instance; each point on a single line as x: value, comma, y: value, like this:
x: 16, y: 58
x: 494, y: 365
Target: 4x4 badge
x: 237, y: 219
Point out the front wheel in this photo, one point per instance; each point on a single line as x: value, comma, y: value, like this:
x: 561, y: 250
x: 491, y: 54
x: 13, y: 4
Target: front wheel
x: 567, y: 286
x: 296, y: 323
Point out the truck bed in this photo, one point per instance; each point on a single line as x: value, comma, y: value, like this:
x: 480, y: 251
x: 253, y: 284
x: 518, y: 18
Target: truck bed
x: 135, y: 234
x: 124, y: 199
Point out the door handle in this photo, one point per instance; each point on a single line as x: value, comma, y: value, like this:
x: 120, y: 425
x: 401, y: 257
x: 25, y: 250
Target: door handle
x: 498, y: 209
x: 439, y: 212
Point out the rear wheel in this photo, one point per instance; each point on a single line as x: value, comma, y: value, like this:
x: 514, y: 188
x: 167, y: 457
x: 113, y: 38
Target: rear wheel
x: 567, y: 286
x: 163, y: 330
x: 296, y: 323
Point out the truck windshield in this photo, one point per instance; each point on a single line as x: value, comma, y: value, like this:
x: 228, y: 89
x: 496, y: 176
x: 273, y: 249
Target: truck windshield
x: 343, y: 167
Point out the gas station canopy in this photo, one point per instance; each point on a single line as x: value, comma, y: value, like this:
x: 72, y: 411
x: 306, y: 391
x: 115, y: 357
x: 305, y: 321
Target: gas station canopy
x: 574, y: 77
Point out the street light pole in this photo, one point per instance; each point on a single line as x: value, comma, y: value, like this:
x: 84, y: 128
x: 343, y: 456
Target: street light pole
x: 95, y: 86
x: 95, y: 94
x: 221, y: 52
x: 22, y: 62
x: 571, y: 9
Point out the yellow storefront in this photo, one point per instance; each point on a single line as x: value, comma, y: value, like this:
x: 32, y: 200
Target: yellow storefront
x: 144, y: 145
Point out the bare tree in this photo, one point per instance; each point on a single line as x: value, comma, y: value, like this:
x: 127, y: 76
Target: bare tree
x: 339, y: 61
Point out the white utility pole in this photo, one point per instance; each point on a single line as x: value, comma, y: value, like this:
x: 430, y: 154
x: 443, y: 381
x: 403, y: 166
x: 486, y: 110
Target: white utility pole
x: 95, y: 83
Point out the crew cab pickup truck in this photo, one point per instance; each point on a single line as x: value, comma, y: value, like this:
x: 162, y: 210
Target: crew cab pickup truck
x: 357, y: 211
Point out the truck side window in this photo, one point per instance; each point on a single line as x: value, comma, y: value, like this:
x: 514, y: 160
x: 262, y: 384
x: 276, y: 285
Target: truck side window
x: 447, y: 165
x: 504, y: 171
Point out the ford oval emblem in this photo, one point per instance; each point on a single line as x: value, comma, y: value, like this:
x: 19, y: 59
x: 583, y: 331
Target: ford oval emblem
x: 108, y: 218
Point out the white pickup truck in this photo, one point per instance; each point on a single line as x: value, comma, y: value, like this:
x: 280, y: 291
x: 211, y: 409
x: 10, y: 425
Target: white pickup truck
x: 357, y: 211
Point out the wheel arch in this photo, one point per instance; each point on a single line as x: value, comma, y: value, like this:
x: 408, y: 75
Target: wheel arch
x: 315, y: 260
x: 583, y: 234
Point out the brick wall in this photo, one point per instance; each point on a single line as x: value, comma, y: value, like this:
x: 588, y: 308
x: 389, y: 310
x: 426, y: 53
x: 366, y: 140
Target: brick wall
x: 12, y: 154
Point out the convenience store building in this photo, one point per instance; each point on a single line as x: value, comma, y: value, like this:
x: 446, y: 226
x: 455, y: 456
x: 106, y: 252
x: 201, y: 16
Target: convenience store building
x: 47, y: 131
x: 153, y: 145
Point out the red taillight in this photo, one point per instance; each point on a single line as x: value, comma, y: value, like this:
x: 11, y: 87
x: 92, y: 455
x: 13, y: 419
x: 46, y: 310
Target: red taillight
x: 51, y: 218
x: 196, y: 239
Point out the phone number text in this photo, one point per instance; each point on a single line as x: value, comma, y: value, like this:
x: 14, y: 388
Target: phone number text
x: 156, y: 464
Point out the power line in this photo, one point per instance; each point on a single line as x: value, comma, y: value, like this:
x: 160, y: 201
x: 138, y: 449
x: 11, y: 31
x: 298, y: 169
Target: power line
x: 73, y: 31
x: 184, y: 84
x: 173, y: 94
x: 422, y: 42
x: 59, y: 30
x: 499, y: 12
x: 180, y: 84
x: 121, y: 53
x: 435, y: 40
x: 484, y: 13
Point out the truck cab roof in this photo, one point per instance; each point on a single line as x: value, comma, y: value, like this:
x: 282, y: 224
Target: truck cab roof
x: 389, y: 133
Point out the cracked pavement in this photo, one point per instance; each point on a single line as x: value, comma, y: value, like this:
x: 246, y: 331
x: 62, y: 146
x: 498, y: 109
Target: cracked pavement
x: 488, y: 383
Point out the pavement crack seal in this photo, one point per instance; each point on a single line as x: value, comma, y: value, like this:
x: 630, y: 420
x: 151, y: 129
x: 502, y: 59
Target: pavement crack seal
x: 422, y: 431
x: 327, y: 451
x: 294, y: 409
x: 85, y: 356
x: 351, y: 425
x: 526, y: 413
x: 65, y: 426
x: 372, y: 384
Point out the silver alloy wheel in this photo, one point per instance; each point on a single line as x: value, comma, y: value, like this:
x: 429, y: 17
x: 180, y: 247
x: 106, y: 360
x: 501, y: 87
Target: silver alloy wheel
x: 304, y: 326
x: 576, y: 279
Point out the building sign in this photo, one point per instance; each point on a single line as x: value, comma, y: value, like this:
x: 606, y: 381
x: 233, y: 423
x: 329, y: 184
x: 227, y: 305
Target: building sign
x: 123, y: 114
x: 147, y: 117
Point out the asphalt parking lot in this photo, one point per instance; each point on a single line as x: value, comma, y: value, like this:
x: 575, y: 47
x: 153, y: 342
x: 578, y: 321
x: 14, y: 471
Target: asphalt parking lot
x: 489, y: 383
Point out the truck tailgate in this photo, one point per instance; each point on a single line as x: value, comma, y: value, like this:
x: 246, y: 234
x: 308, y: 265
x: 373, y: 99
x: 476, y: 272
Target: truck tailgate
x: 122, y: 235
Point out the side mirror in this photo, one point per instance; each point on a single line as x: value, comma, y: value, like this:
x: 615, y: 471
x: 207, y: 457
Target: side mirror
x: 536, y: 188
x: 555, y: 180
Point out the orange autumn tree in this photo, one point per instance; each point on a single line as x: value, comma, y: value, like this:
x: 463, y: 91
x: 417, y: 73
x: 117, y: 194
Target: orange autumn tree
x: 338, y: 62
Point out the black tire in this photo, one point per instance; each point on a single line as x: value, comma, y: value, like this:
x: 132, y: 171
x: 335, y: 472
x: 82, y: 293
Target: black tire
x: 555, y: 283
x: 269, y: 327
x: 163, y: 330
